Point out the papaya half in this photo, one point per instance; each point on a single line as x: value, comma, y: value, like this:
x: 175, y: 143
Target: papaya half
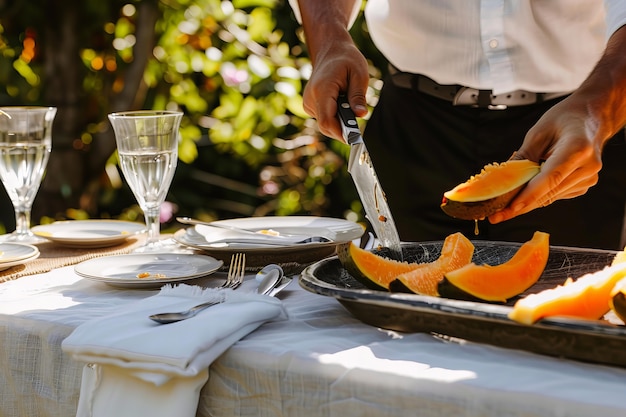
x: 377, y: 272
x: 372, y: 270
x: 457, y: 251
x: 489, y: 191
x: 586, y: 297
x: 499, y: 282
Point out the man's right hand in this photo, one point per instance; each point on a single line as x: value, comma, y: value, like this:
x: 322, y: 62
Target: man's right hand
x: 338, y: 65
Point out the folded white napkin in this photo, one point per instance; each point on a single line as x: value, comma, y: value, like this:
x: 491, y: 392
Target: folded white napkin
x: 217, y: 235
x: 135, y: 365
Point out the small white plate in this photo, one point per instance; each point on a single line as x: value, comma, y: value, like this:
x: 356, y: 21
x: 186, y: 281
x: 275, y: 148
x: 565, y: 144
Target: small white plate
x: 10, y: 252
x: 7, y: 265
x: 127, y: 271
x: 89, y: 233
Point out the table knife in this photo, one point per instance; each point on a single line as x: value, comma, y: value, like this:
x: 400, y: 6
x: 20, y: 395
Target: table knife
x: 366, y: 181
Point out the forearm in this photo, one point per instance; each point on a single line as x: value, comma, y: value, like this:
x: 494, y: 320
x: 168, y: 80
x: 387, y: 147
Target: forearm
x: 325, y: 22
x: 605, y: 90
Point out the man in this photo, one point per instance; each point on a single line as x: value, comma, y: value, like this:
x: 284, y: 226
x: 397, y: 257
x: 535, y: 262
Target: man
x: 473, y: 82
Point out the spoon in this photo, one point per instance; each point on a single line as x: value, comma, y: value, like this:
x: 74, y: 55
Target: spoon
x: 270, y: 280
x: 266, y: 269
x: 283, y: 281
x: 270, y: 277
x: 166, y: 318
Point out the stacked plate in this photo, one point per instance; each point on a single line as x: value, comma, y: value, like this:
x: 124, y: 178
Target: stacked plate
x: 12, y: 254
x: 272, y: 239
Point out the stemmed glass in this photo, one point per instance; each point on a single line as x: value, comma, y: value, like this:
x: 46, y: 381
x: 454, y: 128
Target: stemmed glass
x: 147, y: 145
x: 25, y: 146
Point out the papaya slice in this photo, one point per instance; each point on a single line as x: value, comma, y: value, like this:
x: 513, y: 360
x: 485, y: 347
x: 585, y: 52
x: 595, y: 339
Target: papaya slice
x: 619, y: 257
x: 617, y: 300
x: 499, y: 282
x: 585, y: 298
x: 489, y: 191
x: 374, y: 271
x: 457, y: 251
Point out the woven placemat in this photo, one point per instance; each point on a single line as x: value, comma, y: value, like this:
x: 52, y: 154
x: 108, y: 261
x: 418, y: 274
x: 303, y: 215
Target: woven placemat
x: 52, y: 256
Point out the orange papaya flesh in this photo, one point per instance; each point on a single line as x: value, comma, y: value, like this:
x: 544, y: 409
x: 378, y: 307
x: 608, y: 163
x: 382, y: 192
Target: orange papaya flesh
x: 489, y: 191
x: 617, y: 300
x: 586, y: 298
x: 372, y: 270
x: 500, y: 282
x: 619, y: 257
x: 457, y: 251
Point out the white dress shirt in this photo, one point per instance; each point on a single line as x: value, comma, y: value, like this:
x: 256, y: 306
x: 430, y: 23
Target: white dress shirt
x: 501, y: 45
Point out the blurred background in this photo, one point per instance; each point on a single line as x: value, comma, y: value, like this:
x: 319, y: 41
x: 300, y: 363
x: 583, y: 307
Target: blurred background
x: 237, y: 69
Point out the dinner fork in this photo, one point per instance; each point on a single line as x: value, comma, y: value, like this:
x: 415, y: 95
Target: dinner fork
x: 236, y: 271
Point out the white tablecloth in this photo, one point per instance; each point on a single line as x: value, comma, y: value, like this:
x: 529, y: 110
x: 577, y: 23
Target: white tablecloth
x: 321, y: 362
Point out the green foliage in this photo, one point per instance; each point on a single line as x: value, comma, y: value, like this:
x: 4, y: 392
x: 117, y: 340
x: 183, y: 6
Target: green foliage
x: 237, y: 69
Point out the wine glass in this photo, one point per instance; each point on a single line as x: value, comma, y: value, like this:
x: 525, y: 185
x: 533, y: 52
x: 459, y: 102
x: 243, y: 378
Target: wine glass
x: 147, y: 145
x: 25, y: 146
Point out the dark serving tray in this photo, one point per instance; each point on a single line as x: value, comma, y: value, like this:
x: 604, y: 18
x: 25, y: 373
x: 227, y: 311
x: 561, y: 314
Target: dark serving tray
x: 599, y: 341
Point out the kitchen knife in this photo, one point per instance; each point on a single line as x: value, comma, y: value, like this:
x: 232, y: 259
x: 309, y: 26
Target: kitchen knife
x: 364, y: 176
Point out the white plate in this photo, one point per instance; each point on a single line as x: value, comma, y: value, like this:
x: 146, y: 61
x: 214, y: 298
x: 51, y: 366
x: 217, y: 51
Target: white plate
x: 10, y: 252
x: 89, y: 233
x: 7, y: 265
x: 124, y: 271
x: 338, y: 230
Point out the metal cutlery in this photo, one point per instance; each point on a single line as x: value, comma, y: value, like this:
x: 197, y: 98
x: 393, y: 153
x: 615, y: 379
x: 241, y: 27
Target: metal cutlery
x: 166, y: 318
x: 272, y: 282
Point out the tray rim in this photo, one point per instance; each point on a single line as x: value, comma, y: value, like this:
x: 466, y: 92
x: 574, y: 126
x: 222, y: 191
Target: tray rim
x: 355, y: 298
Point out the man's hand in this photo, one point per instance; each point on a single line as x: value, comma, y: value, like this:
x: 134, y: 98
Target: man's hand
x: 338, y: 65
x: 342, y: 69
x: 572, y: 157
x: 570, y: 136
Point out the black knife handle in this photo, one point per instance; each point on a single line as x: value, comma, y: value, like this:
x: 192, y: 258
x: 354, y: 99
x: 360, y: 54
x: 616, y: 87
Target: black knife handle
x: 349, y: 124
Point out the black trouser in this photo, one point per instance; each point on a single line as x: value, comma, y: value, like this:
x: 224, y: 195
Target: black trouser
x: 422, y: 146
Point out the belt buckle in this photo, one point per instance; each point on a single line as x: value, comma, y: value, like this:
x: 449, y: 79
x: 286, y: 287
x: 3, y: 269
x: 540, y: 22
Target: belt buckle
x: 467, y: 96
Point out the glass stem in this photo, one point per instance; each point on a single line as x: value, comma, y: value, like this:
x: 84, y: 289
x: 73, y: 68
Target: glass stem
x: 22, y: 221
x: 153, y: 225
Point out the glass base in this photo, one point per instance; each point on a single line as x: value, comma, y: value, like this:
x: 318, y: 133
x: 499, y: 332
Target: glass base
x: 164, y: 246
x: 27, y: 238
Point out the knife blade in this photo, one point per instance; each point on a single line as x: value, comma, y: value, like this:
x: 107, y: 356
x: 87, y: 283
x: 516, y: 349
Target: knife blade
x: 366, y: 181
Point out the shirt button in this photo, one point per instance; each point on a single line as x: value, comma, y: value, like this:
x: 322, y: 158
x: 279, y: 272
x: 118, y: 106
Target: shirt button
x: 493, y: 44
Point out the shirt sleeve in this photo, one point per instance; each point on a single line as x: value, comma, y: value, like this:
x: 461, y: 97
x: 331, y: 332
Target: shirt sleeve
x: 355, y: 11
x: 615, y: 15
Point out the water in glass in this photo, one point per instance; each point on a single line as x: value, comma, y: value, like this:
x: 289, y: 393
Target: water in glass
x: 25, y: 146
x: 147, y: 145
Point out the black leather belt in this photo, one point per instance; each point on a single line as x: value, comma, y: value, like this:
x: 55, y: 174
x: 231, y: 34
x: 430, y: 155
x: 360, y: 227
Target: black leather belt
x: 459, y: 95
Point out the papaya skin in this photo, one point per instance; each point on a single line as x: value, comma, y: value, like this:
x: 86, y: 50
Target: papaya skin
x: 618, y: 305
x: 364, y: 266
x: 489, y: 191
x: 617, y: 302
x: 478, y: 210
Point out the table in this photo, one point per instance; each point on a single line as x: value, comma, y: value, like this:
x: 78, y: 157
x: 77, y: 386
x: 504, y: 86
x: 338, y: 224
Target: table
x: 320, y: 362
